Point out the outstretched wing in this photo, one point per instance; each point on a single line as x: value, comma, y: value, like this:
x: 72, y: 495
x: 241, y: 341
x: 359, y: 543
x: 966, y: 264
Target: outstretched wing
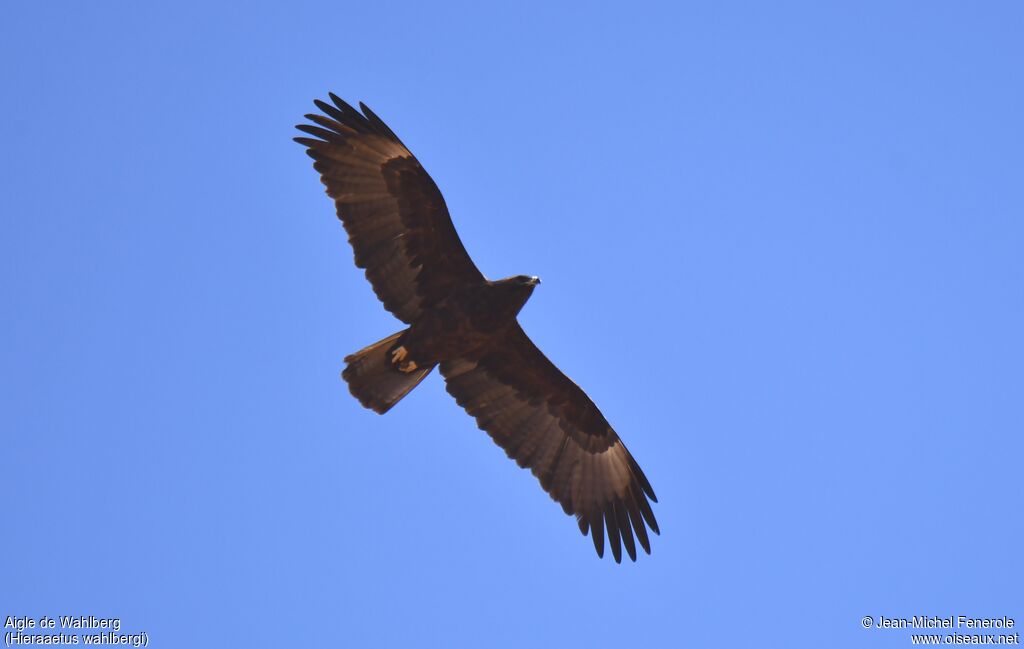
x: 546, y: 423
x: 395, y: 216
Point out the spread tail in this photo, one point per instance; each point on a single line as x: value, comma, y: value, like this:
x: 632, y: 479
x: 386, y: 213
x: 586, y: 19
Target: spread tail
x: 375, y: 378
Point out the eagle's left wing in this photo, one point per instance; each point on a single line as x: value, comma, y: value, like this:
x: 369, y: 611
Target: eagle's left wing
x: 397, y: 220
x: 546, y: 423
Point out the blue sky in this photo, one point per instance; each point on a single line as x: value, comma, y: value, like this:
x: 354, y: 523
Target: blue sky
x: 781, y: 246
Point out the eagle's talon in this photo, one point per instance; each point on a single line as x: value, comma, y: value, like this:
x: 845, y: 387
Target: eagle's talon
x: 398, y: 359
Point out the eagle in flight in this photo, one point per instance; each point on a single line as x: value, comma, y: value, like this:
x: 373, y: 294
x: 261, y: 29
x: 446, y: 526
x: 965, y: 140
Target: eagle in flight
x: 399, y: 227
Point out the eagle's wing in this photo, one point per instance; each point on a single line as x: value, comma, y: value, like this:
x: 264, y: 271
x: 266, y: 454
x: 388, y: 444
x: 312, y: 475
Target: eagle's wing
x: 395, y: 216
x: 545, y: 422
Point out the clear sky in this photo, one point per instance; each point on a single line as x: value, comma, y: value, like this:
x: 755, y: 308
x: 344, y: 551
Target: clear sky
x: 782, y: 246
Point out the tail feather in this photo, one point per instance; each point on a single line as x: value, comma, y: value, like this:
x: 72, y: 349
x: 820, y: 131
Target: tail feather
x: 375, y: 380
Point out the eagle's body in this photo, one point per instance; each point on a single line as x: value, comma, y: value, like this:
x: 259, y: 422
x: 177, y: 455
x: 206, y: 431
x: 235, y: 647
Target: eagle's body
x: 467, y: 321
x: 402, y: 235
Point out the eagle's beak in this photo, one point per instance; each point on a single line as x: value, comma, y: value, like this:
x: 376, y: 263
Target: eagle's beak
x: 534, y: 280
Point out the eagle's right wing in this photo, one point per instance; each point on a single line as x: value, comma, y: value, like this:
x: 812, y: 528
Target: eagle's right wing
x: 546, y: 423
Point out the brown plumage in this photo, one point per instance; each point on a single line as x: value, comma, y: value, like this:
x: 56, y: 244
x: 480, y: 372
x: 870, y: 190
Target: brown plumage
x: 403, y: 237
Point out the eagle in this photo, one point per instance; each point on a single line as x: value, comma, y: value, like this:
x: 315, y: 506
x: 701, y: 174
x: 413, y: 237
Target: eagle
x: 458, y: 320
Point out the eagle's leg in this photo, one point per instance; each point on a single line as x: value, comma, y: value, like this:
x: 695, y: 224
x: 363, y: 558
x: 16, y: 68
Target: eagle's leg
x: 400, y: 359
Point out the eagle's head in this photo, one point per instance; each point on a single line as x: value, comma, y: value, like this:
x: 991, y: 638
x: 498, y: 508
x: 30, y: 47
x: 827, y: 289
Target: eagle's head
x: 515, y: 291
x: 525, y: 284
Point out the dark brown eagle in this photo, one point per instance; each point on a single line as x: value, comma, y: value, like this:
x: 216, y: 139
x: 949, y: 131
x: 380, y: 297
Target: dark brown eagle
x: 402, y: 235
